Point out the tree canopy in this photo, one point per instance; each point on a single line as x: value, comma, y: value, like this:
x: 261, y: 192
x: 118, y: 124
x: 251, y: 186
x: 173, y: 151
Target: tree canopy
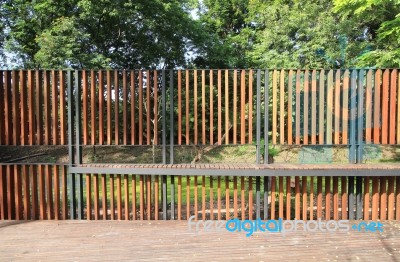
x: 221, y: 34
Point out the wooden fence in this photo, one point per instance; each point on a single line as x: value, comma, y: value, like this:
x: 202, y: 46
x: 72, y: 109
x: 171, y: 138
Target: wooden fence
x: 348, y: 108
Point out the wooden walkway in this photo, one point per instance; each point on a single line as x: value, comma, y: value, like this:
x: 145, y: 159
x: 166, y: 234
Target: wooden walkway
x: 172, y: 241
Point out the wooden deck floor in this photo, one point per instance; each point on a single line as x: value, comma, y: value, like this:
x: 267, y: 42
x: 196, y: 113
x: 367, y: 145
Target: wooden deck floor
x: 172, y: 241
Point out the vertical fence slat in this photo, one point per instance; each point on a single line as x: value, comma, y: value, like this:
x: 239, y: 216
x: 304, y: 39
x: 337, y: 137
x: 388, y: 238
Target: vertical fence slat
x: 42, y: 196
x: 26, y: 192
x: 2, y: 113
x: 368, y: 108
x: 251, y: 105
x: 393, y: 97
x: 7, y: 109
x: 298, y: 106
x: 321, y: 111
x: 377, y: 106
x: 15, y: 110
x: 391, y: 198
x: 288, y: 198
x: 85, y: 125
x: 385, y: 106
x: 275, y: 106
x: 31, y: 107
x: 337, y: 107
x: 281, y: 192
x: 203, y: 107
x: 250, y: 203
x: 203, y: 197
x: 375, y: 198
x: 155, y: 90
x: 273, y: 196
x: 47, y: 110
x: 125, y: 108
x: 156, y: 198
x: 335, y: 198
x: 212, y: 199
x: 312, y: 198
x: 140, y: 102
x: 329, y: 107
x: 148, y: 122
x: 242, y: 198
x: 243, y: 107
x: 93, y: 110
x: 23, y: 108
x: 133, y: 106
x: 88, y: 196
x: 116, y: 107
x: 227, y: 197
x: 297, y: 207
x: 109, y: 132
x: 96, y: 191
x: 344, y: 197
x: 289, y: 108
x: 304, y: 197
x: 188, y: 214
x: 112, y: 197
x: 234, y: 106
x: 126, y: 198
x: 196, y: 208
x: 305, y: 108
x: 104, y: 196
x: 56, y: 188
x: 148, y: 197
x: 319, y: 197
x: 134, y: 198
x: 219, y: 112
x: 187, y: 108
x: 211, y: 123
x: 141, y: 197
x: 313, y: 108
x: 366, y: 198
x: 119, y: 197
x: 383, y: 198
x: 235, y: 197
x: 18, y: 192
x: 33, y: 172
x: 179, y: 197
x: 227, y: 123
x: 3, y: 193
x: 101, y: 107
x: 282, y: 107
x: 196, y: 131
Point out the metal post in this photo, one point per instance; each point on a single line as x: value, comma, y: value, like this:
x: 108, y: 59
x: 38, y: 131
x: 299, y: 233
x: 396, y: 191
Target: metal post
x: 172, y: 197
x: 258, y: 116
x: 353, y: 122
x: 78, y: 147
x: 266, y: 197
x: 351, y: 197
x: 258, y: 197
x: 360, y: 129
x: 164, y: 145
x: 171, y: 114
x: 71, y: 155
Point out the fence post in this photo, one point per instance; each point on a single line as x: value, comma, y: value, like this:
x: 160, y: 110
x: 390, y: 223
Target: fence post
x: 164, y: 144
x: 258, y: 142
x: 266, y: 112
x: 71, y: 155
x: 360, y: 146
x: 171, y: 139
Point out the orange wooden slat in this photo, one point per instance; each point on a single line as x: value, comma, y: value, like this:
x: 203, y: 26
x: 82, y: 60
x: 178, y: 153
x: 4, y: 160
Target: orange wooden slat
x: 49, y: 192
x: 375, y: 198
x: 124, y: 108
x: 368, y: 108
x: 126, y: 198
x: 289, y: 110
x: 148, y: 121
x: 235, y: 197
x: 88, y: 197
x: 96, y: 191
x: 251, y: 105
x: 397, y: 198
x: 391, y: 198
x: 305, y: 107
x: 109, y: 132
x: 281, y: 203
x: 196, y: 131
x: 33, y: 172
x: 203, y: 107
x: 31, y: 108
x: 18, y: 193
x: 26, y: 192
x: 187, y: 100
x: 327, y: 198
x: 227, y: 198
x: 344, y: 197
x: 219, y: 117
x: 23, y: 108
x: 321, y: 111
x: 274, y: 106
x: 15, y: 109
x: 63, y: 115
x: 282, y: 107
x: 385, y: 106
x: 313, y: 109
x: 382, y: 199
x: 227, y: 123
x: 46, y: 109
x: 250, y: 198
x: 211, y: 123
x: 179, y: 107
x: 104, y: 196
x: 2, y: 123
x: 42, y: 196
x: 392, y: 114
x: 179, y: 197
x: 312, y: 198
x: 10, y: 192
x: 345, y: 111
x: 288, y: 197
x: 235, y: 106
x: 93, y: 110
x: 133, y: 96
x: 377, y: 106
x: 56, y: 186
x: 366, y: 198
x: 243, y: 107
x: 329, y: 108
x: 242, y: 198
x: 116, y: 107
x: 133, y: 197
x: 336, y: 115
x: 119, y: 197
x: 304, y: 197
x: 297, y: 121
x: 155, y: 90
x: 101, y: 108
x: 335, y: 198
x: 85, y: 124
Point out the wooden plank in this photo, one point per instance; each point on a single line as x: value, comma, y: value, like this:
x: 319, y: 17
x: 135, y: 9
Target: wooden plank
x: 313, y: 109
x: 304, y: 197
x: 10, y: 192
x: 116, y: 107
x: 219, y: 112
x: 281, y: 194
x: 368, y: 108
x: 227, y: 122
x: 305, y: 107
x: 298, y: 104
x: 212, y: 198
x: 101, y: 108
x: 93, y: 110
x: 104, y: 196
x: 312, y: 198
x: 85, y: 121
x: 288, y: 196
x: 397, y: 197
x: 392, y: 115
x: 391, y: 198
x: 377, y: 106
x: 56, y: 186
x: 319, y: 197
x: 274, y: 106
x: 179, y: 107
x: 336, y: 195
x: 2, y: 123
x: 88, y: 197
x: 140, y: 117
x: 282, y: 107
x: 329, y: 108
x: 18, y: 193
x: 63, y: 115
x: 7, y: 108
x: 297, y: 207
x: 235, y: 106
x: 243, y: 107
x: 26, y: 192
x: 15, y: 109
x: 196, y: 130
x: 148, y: 121
x: 203, y: 107
x: 385, y: 107
x: 211, y: 123
x: 188, y: 214
x: 64, y: 199
x: 383, y: 199
x: 327, y: 198
x: 119, y: 197
x: 31, y: 107
x: 235, y: 197
x: 156, y: 198
x: 42, y: 196
x: 227, y: 198
x: 148, y: 196
x: 375, y: 198
x: 109, y: 100
x: 337, y: 108
x: 3, y: 193
x: 96, y: 191
x: 112, y: 197
x: 273, y: 197
x: 124, y: 108
x: 344, y: 197
x: 242, y: 199
x: 49, y: 192
x: 179, y: 197
x: 134, y: 197
x: 250, y: 198
x: 321, y: 111
x: 398, y: 110
x: 133, y: 98
x: 366, y: 198
x: 54, y: 105
x: 47, y: 110
x: 203, y: 198
x: 187, y: 107
x: 289, y: 109
x: 155, y: 91
x: 141, y: 197
x: 126, y: 197
x: 251, y: 105
x: 345, y: 111
x: 196, y: 208
x: 23, y: 108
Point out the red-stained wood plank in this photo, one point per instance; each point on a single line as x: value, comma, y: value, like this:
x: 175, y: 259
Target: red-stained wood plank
x: 290, y: 108
x: 281, y: 195
x: 46, y: 109
x: 297, y: 121
x: 235, y: 106
x: 109, y: 103
x: 156, y: 198
x: 23, y: 108
x: 297, y: 207
x: 211, y: 195
x: 319, y: 197
x: 251, y: 105
x: 49, y: 192
x: 235, y: 197
x: 148, y: 197
x: 345, y: 111
x: 15, y: 109
x: 227, y: 198
x: 327, y: 198
x: 112, y: 197
x: 211, y: 123
x: 368, y: 108
x: 18, y: 193
x: 375, y: 198
x: 31, y: 107
x: 203, y: 107
x: 34, y: 173
x: 392, y: 109
x: 305, y: 107
x: 335, y: 198
x: 344, y: 197
x: 56, y: 189
x: 63, y: 114
x: 314, y: 103
x: 219, y: 117
x: 397, y: 198
x: 141, y: 197
x: 124, y: 108
x: 391, y: 198
x: 26, y: 192
x: 243, y: 107
x: 203, y: 198
x: 179, y: 197
x: 116, y: 107
x: 85, y: 120
x: 7, y: 108
x: 312, y: 199
x: 88, y: 197
x: 196, y: 131
x: 148, y: 108
x: 243, y: 199
x: 382, y: 199
x: 288, y: 197
x: 250, y: 201
x: 54, y: 107
x: 187, y: 107
x: 132, y: 100
x: 196, y: 208
x: 93, y: 109
x: 227, y: 123
x: 273, y: 197
x: 274, y: 106
x: 329, y: 108
x: 304, y: 197
x: 377, y: 106
x: 366, y: 198
x: 42, y: 192
x: 337, y: 107
x: 385, y: 107
x: 101, y: 107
